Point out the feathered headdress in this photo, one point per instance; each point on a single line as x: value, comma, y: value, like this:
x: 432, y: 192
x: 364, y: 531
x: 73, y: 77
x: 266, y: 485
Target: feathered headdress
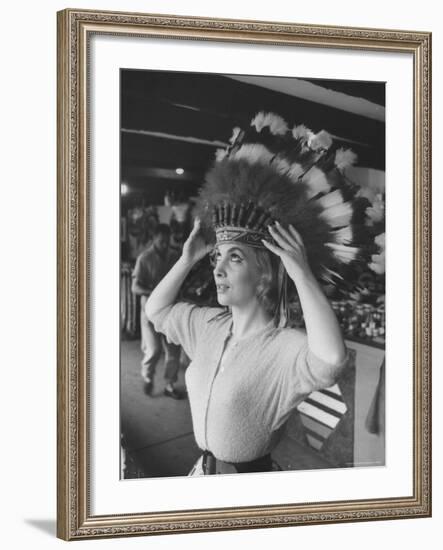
x: 271, y: 172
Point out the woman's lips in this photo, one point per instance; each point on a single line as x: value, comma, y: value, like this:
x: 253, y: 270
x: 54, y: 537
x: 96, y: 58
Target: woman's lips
x: 222, y: 288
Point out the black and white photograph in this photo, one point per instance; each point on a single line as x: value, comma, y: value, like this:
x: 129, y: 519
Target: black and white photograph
x: 252, y: 274
x: 222, y: 275
x: 243, y: 274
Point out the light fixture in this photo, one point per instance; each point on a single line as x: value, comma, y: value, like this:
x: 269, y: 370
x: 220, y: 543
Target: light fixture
x: 179, y: 171
x: 124, y: 188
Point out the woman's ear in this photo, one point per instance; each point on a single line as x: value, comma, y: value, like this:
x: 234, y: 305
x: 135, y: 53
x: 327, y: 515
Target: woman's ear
x: 263, y: 286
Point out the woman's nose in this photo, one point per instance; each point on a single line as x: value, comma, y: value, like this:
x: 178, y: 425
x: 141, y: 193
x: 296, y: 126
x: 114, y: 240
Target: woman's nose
x: 219, y: 269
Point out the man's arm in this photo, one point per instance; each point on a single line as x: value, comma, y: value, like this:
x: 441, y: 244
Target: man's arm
x: 140, y: 280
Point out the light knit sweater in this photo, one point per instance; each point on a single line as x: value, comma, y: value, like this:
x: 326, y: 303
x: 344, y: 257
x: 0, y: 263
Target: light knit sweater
x: 238, y: 410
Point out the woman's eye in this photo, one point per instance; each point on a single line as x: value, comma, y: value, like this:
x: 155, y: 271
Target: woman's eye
x: 233, y: 257
x: 236, y: 258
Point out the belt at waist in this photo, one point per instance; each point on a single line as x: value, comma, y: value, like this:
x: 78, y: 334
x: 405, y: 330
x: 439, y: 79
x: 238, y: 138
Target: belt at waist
x: 211, y: 464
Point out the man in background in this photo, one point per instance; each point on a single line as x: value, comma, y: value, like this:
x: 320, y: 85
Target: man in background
x: 151, y: 266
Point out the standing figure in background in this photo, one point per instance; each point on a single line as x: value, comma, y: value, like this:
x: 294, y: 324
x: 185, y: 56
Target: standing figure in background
x: 181, y: 213
x: 151, y: 266
x: 177, y: 237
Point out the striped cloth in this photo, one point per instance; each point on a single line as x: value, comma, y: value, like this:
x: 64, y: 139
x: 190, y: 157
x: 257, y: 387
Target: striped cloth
x: 320, y: 413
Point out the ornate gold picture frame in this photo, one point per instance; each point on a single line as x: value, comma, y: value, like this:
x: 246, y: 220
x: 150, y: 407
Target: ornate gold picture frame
x: 76, y: 517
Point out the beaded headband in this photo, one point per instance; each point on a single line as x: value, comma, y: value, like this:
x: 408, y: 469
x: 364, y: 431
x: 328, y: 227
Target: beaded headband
x: 245, y: 223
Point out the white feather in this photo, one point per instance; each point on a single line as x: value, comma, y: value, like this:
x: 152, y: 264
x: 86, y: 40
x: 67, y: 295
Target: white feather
x: 330, y: 199
x: 317, y: 181
x: 220, y: 154
x: 326, y: 278
x: 253, y: 154
x: 343, y: 235
x: 295, y: 171
x: 380, y: 240
x: 235, y: 132
x: 343, y: 253
x: 276, y: 123
x: 337, y: 215
x: 331, y: 272
x: 378, y: 263
x: 376, y: 212
x: 281, y: 165
x: 301, y: 132
x: 322, y: 140
x: 344, y: 158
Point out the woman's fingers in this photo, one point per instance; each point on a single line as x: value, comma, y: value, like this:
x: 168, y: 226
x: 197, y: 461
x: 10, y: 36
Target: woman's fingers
x: 296, y: 235
x: 275, y: 249
x: 286, y: 234
x: 196, y: 228
x: 280, y: 239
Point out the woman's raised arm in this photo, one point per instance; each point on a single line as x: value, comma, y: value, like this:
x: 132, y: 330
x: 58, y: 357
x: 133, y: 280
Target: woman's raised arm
x: 166, y: 291
x: 324, y: 334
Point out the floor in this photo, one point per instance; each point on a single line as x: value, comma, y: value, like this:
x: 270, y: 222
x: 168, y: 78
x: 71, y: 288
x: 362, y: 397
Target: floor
x: 157, y: 430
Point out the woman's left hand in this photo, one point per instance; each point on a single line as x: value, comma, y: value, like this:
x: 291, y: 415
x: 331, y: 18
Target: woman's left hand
x: 288, y: 245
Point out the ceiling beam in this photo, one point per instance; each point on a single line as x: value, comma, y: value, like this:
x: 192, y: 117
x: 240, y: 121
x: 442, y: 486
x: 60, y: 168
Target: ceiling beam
x: 318, y: 94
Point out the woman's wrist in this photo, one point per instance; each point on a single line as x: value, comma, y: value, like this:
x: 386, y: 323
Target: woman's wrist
x: 303, y: 277
x: 186, y: 263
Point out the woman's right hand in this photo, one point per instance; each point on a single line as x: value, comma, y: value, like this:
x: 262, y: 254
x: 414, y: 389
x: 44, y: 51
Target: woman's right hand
x: 195, y: 247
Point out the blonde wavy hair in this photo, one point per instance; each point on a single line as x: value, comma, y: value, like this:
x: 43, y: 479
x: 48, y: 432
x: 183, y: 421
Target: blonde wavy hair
x: 267, y: 289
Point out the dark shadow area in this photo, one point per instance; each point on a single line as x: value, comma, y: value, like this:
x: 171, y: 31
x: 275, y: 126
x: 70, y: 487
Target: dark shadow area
x: 48, y: 526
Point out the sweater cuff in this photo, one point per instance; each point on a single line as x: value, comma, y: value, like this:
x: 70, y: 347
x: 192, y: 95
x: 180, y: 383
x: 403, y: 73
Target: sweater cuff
x: 329, y: 371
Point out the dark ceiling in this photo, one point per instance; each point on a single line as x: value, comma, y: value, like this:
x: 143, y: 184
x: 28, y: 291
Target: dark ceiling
x: 207, y: 107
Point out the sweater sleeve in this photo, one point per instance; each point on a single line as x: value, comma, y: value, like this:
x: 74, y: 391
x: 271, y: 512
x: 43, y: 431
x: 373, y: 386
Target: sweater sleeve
x: 310, y: 373
x: 301, y: 373
x: 183, y: 324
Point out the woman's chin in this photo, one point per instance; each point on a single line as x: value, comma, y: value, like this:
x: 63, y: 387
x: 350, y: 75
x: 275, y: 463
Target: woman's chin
x: 223, y: 299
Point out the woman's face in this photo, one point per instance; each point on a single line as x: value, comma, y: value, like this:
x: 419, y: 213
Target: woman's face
x: 236, y: 274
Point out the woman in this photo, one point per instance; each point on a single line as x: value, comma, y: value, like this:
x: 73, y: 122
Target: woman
x: 247, y: 374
